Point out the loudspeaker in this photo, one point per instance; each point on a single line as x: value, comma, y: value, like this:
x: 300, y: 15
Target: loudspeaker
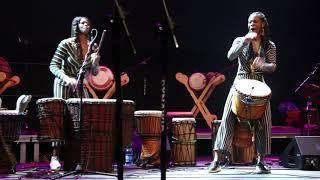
x: 303, y: 152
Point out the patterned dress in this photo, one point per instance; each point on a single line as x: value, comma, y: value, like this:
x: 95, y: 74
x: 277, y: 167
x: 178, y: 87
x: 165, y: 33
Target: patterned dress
x: 66, y: 62
x: 240, y: 51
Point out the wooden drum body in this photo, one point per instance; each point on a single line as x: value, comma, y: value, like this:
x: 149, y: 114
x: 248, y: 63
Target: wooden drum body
x: 103, y: 80
x: 251, y: 99
x: 243, y: 149
x: 97, y: 116
x: 51, y: 112
x: 184, y: 139
x: 95, y: 136
x: 148, y: 123
x: 149, y: 128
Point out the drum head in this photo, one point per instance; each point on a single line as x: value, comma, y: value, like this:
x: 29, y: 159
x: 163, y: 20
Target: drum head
x: 103, y: 80
x: 197, y: 81
x: 153, y: 113
x: 181, y: 120
x: 252, y: 87
x: 47, y: 100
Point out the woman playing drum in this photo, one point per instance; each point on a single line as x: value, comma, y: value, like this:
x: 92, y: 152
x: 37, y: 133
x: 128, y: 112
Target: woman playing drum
x: 68, y: 59
x: 256, y: 55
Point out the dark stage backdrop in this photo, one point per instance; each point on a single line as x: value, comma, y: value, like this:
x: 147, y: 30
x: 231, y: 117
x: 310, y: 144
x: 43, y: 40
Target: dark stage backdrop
x: 31, y: 31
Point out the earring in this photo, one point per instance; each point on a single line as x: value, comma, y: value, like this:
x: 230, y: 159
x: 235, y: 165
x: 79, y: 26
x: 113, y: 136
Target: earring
x: 262, y: 33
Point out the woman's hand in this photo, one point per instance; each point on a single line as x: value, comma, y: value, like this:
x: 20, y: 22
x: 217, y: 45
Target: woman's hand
x: 250, y: 37
x: 96, y: 58
x: 70, y: 81
x: 258, y: 62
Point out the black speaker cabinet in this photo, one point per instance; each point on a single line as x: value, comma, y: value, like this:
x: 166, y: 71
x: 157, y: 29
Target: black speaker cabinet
x: 303, y: 152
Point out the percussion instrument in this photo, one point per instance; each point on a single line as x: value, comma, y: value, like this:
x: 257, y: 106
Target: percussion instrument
x: 51, y: 113
x: 184, y: 138
x: 148, y: 123
x: 95, y: 153
x: 150, y: 151
x: 250, y: 99
x: 99, y: 117
x: 8, y: 160
x: 11, y: 125
x: 197, y: 81
x: 183, y: 129
x: 243, y: 155
x: 103, y: 80
x: 149, y: 128
x: 243, y: 149
x: 243, y: 136
x: 97, y: 131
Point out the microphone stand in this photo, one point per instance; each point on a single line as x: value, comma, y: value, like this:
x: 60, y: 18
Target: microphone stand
x: 116, y: 36
x: 164, y: 32
x: 79, y: 169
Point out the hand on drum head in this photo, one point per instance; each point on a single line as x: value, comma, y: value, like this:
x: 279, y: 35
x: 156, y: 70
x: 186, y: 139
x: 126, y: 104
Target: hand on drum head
x: 258, y: 63
x: 70, y: 81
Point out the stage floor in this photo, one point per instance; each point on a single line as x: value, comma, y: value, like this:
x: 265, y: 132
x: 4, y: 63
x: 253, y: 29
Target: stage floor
x: 195, y: 172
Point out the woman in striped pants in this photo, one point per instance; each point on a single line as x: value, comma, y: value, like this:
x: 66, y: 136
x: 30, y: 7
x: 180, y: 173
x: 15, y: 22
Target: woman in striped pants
x: 256, y: 55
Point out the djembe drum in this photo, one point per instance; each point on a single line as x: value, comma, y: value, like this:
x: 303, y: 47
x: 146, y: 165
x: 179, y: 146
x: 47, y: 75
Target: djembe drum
x: 249, y: 104
x: 51, y: 112
x: 184, y: 139
x: 103, y: 80
x: 197, y: 81
x: 94, y: 136
x: 250, y: 99
x: 149, y: 128
x: 10, y: 129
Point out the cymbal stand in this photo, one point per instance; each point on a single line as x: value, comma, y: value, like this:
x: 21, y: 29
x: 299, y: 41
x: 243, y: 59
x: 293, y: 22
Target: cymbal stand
x: 316, y: 67
x: 308, y: 109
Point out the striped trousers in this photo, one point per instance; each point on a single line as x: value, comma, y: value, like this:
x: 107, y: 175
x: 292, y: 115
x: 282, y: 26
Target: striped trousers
x: 225, y: 133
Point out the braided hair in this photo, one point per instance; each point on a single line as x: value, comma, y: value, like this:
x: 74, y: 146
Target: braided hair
x: 265, y: 33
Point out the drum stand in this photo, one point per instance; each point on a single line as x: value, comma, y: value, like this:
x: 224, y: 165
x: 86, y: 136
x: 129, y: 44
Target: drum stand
x: 205, y: 94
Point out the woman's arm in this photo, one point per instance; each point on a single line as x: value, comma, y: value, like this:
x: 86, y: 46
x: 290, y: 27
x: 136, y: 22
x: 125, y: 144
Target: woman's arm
x: 236, y: 48
x: 271, y: 59
x: 56, y: 62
